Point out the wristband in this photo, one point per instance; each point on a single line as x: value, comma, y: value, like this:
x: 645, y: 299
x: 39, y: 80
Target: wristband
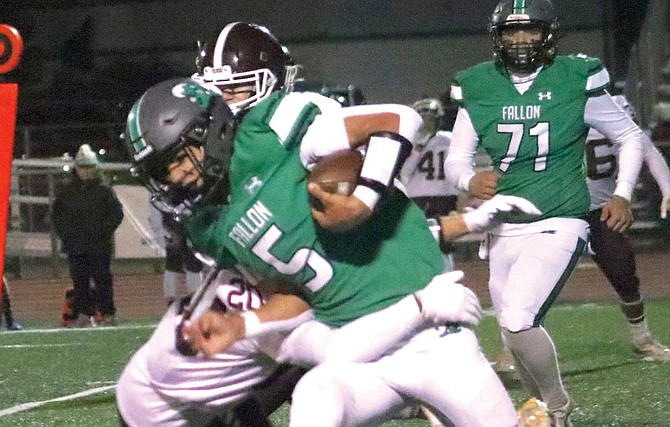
x: 252, y: 324
x: 367, y: 195
x: 385, y: 154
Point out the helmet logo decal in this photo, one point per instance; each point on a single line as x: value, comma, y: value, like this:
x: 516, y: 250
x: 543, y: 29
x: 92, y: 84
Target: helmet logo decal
x: 195, y: 93
x: 263, y: 56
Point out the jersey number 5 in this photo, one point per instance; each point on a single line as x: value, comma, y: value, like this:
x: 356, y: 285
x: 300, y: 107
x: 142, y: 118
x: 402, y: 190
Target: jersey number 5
x: 516, y: 130
x: 301, y: 258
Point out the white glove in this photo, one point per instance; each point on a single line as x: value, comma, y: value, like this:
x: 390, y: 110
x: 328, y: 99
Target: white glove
x: 444, y: 300
x: 665, y: 206
x: 500, y: 208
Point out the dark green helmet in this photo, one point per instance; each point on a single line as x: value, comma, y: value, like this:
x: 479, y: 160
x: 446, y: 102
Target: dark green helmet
x: 167, y: 118
x: 537, y: 15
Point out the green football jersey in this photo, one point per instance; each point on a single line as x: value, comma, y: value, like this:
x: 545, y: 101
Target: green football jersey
x: 269, y: 230
x: 536, y: 140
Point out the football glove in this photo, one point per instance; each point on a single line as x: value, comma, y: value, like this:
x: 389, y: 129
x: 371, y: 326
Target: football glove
x: 445, y: 301
x: 500, y: 208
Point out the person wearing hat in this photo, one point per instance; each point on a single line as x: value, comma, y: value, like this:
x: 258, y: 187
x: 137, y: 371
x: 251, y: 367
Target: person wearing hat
x: 85, y: 215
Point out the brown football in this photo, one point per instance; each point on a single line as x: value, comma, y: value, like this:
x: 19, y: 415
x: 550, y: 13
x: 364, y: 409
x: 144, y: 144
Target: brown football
x: 337, y: 173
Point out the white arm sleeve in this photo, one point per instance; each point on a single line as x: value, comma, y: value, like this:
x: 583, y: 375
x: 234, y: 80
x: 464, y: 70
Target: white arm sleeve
x: 313, y: 342
x: 459, y: 164
x: 409, y: 120
x: 254, y: 327
x: 328, y: 134
x: 602, y: 114
x: 657, y: 166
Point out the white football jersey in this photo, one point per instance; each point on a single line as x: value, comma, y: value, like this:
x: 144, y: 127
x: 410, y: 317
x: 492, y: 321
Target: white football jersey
x: 423, y: 171
x: 602, y: 161
x: 158, y: 376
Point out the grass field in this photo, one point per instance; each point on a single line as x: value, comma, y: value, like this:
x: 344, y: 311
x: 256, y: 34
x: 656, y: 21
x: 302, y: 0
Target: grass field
x: 66, y: 377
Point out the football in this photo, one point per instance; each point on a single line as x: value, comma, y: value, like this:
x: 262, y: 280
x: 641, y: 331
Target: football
x: 337, y: 173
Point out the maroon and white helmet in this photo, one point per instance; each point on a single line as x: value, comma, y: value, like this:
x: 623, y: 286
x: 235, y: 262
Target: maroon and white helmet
x: 245, y: 54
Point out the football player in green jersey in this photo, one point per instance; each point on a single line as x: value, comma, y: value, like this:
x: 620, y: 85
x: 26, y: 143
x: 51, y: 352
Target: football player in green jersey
x: 266, y: 229
x: 155, y: 383
x: 276, y: 138
x: 531, y: 110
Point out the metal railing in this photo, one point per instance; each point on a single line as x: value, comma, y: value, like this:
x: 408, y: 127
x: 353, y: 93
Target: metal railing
x: 34, y: 185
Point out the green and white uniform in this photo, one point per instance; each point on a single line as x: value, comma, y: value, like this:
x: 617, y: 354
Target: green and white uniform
x: 534, y: 129
x: 269, y: 230
x: 536, y: 138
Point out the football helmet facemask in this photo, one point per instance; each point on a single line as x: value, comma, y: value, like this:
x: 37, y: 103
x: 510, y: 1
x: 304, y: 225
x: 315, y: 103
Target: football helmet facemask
x: 242, y: 55
x: 524, y: 15
x: 429, y: 106
x: 162, y: 123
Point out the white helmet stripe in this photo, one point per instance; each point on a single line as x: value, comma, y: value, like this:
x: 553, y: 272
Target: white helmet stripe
x: 220, y: 44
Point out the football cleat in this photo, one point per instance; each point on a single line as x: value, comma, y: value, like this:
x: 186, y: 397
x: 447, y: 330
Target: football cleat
x: 85, y: 321
x: 14, y: 326
x: 534, y: 413
x: 561, y: 417
x: 652, y: 350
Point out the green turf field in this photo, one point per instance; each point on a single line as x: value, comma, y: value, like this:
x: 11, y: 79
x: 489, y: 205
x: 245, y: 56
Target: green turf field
x: 66, y: 377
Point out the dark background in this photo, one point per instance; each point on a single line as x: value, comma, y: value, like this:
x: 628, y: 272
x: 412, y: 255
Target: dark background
x: 86, y: 61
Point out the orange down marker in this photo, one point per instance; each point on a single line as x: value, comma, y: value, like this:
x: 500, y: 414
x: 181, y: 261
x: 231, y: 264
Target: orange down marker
x: 11, y: 47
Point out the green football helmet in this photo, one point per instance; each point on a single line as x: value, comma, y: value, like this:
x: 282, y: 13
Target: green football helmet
x: 528, y: 15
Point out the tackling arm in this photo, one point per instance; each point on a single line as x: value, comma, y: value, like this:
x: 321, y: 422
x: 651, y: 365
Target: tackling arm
x: 443, y: 301
x: 499, y: 209
x: 213, y: 332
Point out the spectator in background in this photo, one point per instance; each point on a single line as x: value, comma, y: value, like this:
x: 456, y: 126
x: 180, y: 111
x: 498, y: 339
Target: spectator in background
x: 423, y: 171
x: 181, y: 263
x: 85, y: 215
x: 10, y: 323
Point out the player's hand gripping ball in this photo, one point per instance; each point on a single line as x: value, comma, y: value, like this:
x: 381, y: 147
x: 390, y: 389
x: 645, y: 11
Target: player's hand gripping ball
x: 336, y: 173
